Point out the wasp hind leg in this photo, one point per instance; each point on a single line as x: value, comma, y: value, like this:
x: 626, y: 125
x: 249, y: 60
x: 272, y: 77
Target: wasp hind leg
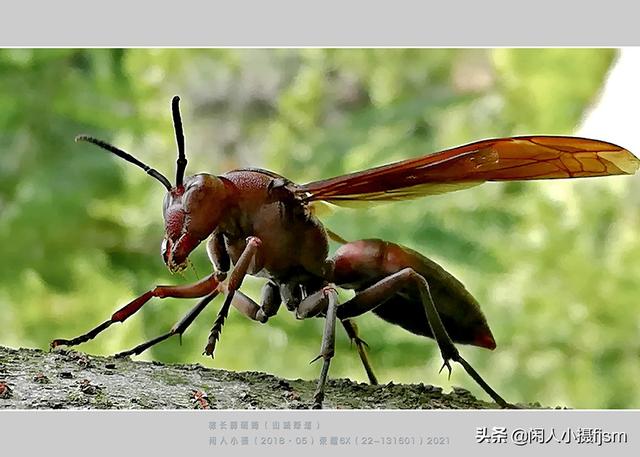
x: 361, y: 346
x: 377, y: 294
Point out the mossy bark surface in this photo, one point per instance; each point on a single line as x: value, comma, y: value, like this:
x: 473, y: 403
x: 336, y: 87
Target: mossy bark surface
x: 65, y: 379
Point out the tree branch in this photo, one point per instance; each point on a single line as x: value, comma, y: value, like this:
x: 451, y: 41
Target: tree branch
x: 65, y: 379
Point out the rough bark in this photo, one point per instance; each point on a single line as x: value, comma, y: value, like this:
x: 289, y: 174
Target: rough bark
x: 65, y: 379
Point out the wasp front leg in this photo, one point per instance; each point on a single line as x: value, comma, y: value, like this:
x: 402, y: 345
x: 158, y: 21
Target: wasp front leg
x: 178, y: 329
x: 235, y: 281
x: 221, y: 263
x: 270, y: 302
x: 217, y: 252
x: 201, y: 288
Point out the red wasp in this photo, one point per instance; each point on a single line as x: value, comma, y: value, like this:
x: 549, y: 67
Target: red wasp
x: 263, y: 225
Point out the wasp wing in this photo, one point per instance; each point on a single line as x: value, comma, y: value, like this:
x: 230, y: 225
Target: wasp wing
x: 501, y: 159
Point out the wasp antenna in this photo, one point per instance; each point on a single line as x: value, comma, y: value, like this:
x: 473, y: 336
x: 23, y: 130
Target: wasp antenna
x: 177, y: 125
x: 126, y: 156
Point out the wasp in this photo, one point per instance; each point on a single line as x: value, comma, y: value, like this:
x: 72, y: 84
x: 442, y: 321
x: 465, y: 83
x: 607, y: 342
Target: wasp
x: 256, y: 222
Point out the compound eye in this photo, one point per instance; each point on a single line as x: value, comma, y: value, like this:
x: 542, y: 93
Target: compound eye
x: 191, y: 200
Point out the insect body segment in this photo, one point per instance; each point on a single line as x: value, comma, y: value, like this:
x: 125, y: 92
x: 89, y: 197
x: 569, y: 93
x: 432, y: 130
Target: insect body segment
x: 380, y: 272
x: 259, y: 223
x: 191, y: 213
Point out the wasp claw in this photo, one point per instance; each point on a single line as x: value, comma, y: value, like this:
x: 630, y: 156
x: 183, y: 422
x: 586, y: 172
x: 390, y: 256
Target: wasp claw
x: 446, y: 364
x: 318, y: 357
x: 55, y: 343
x: 363, y: 342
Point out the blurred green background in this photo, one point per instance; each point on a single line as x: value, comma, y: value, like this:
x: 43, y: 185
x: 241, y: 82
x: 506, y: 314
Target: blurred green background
x: 554, y: 264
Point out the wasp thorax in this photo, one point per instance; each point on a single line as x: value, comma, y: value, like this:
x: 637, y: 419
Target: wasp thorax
x: 191, y: 213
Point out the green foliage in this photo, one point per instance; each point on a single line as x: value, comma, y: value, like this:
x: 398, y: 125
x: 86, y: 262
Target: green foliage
x: 554, y: 264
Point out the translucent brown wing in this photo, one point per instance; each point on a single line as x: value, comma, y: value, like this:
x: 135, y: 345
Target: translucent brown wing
x: 502, y: 159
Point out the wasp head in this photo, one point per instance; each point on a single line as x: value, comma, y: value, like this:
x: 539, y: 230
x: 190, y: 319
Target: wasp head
x: 192, y: 208
x: 191, y: 214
